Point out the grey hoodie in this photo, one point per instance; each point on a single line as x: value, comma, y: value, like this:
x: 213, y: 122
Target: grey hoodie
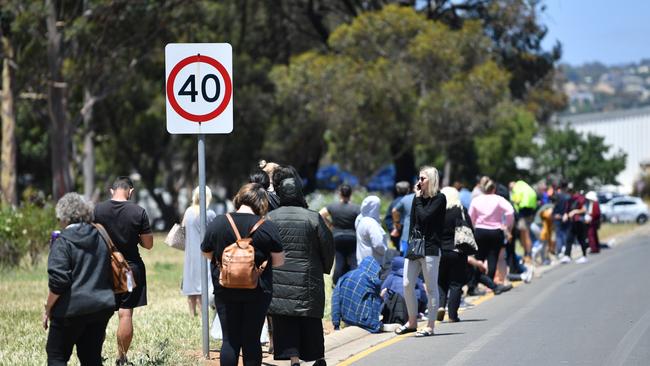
x: 371, y: 237
x: 78, y: 269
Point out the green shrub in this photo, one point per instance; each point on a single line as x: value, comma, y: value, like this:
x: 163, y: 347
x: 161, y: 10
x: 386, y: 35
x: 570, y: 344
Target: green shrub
x: 25, y: 231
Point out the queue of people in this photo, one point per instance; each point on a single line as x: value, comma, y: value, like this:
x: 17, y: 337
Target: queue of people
x: 268, y: 258
x: 498, y: 217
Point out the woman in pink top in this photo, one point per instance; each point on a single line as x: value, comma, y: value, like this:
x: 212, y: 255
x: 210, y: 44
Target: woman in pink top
x: 491, y: 214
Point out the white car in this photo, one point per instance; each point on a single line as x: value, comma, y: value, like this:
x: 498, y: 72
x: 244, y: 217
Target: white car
x: 625, y: 208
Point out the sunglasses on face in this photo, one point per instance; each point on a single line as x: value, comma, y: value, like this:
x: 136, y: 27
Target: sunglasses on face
x: 422, y: 178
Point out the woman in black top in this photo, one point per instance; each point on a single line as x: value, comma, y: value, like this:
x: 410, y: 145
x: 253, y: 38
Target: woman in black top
x: 453, y: 263
x: 340, y: 218
x: 242, y: 311
x: 81, y: 300
x: 428, y: 215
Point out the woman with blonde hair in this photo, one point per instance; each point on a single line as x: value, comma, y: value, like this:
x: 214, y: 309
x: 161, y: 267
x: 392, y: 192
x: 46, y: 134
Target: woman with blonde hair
x: 191, y: 286
x: 427, y: 216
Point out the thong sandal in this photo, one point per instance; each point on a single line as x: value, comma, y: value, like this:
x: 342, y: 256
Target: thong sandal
x: 425, y: 332
x: 403, y: 329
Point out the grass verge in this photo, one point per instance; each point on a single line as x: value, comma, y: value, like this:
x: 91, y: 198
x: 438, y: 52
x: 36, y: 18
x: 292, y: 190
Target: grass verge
x: 164, y: 332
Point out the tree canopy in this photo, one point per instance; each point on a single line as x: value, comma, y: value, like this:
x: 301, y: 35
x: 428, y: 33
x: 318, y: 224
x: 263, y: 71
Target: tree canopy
x: 582, y: 159
x: 360, y: 83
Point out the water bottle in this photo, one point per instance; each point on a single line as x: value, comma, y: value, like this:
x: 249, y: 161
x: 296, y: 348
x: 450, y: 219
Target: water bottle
x: 55, y: 234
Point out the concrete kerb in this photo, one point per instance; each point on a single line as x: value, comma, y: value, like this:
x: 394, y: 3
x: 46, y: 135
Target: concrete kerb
x: 345, y: 346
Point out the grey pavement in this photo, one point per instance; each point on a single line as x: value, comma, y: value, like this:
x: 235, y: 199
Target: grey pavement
x: 575, y: 314
x: 591, y: 314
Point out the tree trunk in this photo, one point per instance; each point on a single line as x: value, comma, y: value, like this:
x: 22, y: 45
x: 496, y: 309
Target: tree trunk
x: 447, y: 173
x: 60, y: 141
x: 404, y: 161
x: 89, y: 146
x: 8, y: 180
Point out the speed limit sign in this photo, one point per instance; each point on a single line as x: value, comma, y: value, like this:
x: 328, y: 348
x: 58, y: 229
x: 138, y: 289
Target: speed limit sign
x: 199, y: 88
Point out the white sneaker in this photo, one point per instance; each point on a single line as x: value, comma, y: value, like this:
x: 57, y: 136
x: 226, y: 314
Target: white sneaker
x: 582, y: 260
x: 565, y: 259
x: 528, y: 275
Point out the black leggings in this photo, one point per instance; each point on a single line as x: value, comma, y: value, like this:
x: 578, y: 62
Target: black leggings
x: 451, y: 278
x: 346, y: 255
x: 489, y: 244
x: 241, y: 324
x: 87, y: 332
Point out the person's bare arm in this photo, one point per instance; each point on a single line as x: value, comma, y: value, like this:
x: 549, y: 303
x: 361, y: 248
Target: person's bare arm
x: 146, y: 240
x: 397, y: 219
x: 327, y: 217
x: 208, y: 255
x: 49, y: 303
x: 277, y: 259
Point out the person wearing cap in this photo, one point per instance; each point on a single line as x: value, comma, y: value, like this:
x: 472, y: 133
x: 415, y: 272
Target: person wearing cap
x: 128, y: 226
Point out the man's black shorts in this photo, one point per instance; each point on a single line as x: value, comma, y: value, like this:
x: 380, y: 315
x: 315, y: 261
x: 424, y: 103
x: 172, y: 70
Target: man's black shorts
x: 138, y: 297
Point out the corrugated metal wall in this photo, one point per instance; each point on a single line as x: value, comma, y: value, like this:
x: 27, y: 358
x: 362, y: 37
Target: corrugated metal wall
x: 626, y: 130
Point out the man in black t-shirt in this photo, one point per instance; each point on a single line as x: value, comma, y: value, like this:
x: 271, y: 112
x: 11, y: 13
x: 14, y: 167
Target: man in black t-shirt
x: 128, y: 225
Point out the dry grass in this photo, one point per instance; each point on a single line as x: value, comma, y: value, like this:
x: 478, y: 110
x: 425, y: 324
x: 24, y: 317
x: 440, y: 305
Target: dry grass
x: 165, y: 333
x: 608, y: 230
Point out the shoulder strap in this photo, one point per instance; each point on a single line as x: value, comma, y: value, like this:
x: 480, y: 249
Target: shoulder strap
x: 102, y: 231
x: 256, y: 226
x: 233, y: 226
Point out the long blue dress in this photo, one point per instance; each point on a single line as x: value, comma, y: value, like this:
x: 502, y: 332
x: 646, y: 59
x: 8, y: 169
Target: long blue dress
x: 193, y: 257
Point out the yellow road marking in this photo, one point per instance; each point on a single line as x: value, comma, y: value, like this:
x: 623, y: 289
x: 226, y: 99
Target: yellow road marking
x: 372, y: 349
x: 398, y: 338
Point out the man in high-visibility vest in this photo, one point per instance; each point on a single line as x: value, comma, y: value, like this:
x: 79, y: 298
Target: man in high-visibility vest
x: 524, y: 198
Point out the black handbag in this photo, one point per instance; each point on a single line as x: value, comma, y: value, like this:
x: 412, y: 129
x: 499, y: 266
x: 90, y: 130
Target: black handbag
x: 416, y: 245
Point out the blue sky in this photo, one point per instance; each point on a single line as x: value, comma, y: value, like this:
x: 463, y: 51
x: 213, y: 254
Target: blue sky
x: 608, y: 31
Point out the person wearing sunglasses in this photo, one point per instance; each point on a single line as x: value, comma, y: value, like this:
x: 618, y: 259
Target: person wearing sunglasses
x: 427, y: 216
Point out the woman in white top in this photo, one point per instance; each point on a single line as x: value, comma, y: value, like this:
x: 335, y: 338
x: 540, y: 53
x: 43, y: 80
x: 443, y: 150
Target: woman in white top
x: 191, y: 286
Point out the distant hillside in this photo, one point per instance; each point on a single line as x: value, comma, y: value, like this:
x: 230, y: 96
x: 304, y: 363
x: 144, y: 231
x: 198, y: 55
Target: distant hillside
x: 594, y: 87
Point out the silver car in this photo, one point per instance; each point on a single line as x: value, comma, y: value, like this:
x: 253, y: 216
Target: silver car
x: 625, y: 208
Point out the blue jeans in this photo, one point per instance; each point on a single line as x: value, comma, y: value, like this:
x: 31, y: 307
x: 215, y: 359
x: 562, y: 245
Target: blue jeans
x: 561, y: 234
x: 403, y: 247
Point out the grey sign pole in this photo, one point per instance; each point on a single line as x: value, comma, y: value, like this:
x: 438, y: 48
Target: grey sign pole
x: 205, y: 309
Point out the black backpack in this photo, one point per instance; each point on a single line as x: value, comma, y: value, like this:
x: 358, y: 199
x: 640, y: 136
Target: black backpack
x: 394, y: 309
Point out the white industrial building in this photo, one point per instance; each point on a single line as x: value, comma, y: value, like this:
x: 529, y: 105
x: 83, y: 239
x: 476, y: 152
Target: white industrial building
x: 628, y: 130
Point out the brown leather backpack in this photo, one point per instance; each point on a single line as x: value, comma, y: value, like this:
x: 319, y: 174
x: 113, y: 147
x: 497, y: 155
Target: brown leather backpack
x: 123, y: 280
x: 237, y: 266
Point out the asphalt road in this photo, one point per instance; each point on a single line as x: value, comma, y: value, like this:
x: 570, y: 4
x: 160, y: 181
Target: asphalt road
x: 576, y: 314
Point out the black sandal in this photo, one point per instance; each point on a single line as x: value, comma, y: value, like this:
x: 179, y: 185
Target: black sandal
x: 403, y: 329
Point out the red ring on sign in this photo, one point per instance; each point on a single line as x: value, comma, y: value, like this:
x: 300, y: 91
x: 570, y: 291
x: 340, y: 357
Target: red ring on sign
x: 227, y: 92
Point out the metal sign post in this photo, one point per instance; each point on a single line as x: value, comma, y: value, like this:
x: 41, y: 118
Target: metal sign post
x: 204, y: 263
x: 199, y: 93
